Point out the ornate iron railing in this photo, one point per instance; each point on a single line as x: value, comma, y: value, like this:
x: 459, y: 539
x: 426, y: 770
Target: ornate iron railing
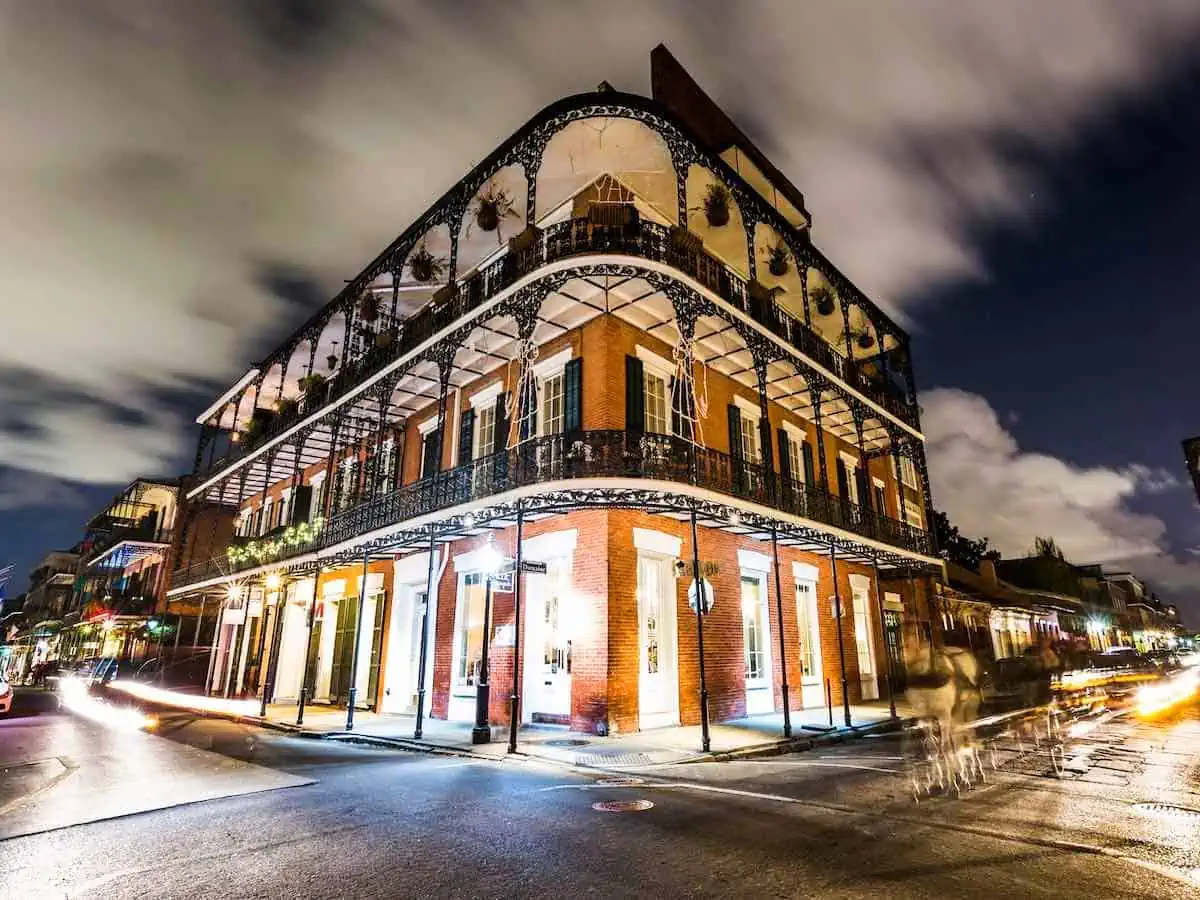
x: 584, y: 454
x: 576, y: 237
x: 148, y: 530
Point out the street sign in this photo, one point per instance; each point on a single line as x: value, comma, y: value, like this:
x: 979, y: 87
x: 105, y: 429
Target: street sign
x: 533, y: 566
x: 684, y: 568
x: 502, y: 582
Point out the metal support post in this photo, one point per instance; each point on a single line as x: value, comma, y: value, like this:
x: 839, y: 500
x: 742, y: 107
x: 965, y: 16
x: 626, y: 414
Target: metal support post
x: 358, y: 622
x: 268, y: 693
x: 705, y: 741
x: 430, y: 594
x: 837, y: 615
x: 482, y: 732
x: 891, y: 669
x: 787, y: 711
x: 307, y: 675
x: 514, y: 703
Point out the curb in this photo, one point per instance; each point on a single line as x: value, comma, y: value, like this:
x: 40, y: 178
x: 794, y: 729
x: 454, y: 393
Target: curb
x: 795, y: 744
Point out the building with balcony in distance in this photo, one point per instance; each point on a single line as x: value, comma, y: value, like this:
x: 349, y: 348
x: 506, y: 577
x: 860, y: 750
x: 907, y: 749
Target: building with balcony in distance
x: 125, y: 558
x: 51, y: 585
x: 611, y: 349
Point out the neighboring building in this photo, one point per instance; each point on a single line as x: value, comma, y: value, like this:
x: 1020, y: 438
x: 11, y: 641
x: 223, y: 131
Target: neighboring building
x: 995, y: 619
x: 122, y: 574
x: 51, y: 585
x: 617, y: 321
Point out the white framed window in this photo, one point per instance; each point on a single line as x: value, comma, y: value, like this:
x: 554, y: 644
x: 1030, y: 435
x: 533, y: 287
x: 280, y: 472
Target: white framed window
x: 795, y: 451
x: 862, y: 632
x: 810, y: 631
x: 751, y: 452
x: 469, y: 636
x: 658, y: 403
x: 318, y: 495
x: 265, y: 524
x: 550, y: 390
x: 754, y: 623
x: 908, y: 472
x: 485, y: 432
x: 349, y: 481
x: 851, y: 465
x: 912, y: 513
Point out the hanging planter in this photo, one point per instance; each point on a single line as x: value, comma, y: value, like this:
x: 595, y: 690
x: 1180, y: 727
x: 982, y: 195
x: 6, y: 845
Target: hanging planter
x: 822, y: 297
x: 426, y: 267
x: 861, y: 337
x: 331, y: 360
x: 716, y: 205
x: 777, y: 260
x: 368, y: 306
x: 384, y: 338
x: 491, y: 206
x: 287, y: 406
x: 310, y: 384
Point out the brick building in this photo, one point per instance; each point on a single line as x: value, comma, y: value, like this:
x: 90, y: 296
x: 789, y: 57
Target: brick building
x: 611, y: 350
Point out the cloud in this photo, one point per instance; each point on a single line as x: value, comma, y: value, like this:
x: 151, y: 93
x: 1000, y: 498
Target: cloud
x: 989, y: 486
x: 154, y: 163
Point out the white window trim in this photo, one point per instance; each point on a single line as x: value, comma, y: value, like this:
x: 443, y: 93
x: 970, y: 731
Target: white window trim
x: 754, y: 562
x: 487, y: 396
x: 477, y: 431
x: 412, y: 569
x: 550, y: 546
x: 424, y: 428
x: 655, y: 363
x: 795, y: 433
x: 804, y: 572
x: 851, y: 461
x: 472, y: 560
x: 878, y: 482
x: 552, y: 365
x: 657, y: 542
x: 748, y: 408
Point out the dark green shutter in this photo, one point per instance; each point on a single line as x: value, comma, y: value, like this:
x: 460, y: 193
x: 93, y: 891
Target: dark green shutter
x: 864, y: 492
x: 785, y: 461
x: 527, y: 411
x: 466, y: 436
x: 843, y: 481
x: 735, y: 432
x: 501, y: 442
x: 429, y: 455
x: 635, y: 395
x: 573, y: 395
x: 302, y: 505
x: 810, y: 474
x: 676, y: 417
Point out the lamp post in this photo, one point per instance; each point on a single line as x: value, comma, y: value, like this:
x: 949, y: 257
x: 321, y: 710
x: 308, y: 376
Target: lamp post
x: 275, y: 585
x: 489, y: 562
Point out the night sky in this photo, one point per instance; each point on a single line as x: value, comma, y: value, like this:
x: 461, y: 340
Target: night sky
x: 1017, y: 185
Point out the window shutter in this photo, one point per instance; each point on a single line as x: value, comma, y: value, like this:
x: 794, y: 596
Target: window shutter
x: 429, y: 460
x: 843, y: 481
x: 735, y: 433
x: 527, y: 412
x: 810, y: 476
x: 864, y: 490
x: 635, y: 395
x: 301, y: 504
x: 573, y: 395
x: 501, y: 442
x: 466, y: 437
x: 785, y: 461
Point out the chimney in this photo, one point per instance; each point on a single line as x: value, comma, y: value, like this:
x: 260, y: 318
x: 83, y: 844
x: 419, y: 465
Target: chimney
x: 987, y: 571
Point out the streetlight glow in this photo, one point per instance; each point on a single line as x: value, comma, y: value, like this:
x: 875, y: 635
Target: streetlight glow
x: 273, y: 581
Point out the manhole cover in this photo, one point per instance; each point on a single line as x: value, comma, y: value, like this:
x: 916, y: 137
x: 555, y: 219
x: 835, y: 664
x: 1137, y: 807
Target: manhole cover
x: 622, y: 806
x: 620, y: 782
x: 567, y: 742
x: 1167, y: 810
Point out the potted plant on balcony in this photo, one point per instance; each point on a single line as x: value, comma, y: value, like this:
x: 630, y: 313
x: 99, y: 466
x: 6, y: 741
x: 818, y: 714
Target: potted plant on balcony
x: 861, y: 337
x: 426, y: 267
x: 823, y: 299
x: 385, y: 338
x: 716, y: 205
x: 777, y: 259
x: 253, y: 429
x: 368, y: 306
x: 310, y: 384
x: 287, y: 406
x: 491, y: 207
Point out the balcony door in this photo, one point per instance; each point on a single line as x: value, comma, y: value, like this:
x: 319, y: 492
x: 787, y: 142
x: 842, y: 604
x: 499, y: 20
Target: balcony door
x: 658, y: 656
x: 864, y: 636
x: 549, y: 611
x: 812, y: 692
x: 756, y: 644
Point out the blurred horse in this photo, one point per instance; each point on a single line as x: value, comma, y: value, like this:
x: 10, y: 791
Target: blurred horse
x: 943, y: 686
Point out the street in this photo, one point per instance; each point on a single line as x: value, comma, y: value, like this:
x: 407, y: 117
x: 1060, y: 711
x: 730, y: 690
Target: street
x: 210, y: 808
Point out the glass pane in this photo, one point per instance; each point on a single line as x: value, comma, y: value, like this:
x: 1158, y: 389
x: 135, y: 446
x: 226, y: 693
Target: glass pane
x: 657, y: 412
x: 470, y: 630
x: 552, y: 405
x: 485, y: 432
x: 752, y: 619
x: 750, y: 439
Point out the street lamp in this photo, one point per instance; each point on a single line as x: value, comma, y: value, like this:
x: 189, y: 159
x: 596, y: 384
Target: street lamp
x: 489, y: 563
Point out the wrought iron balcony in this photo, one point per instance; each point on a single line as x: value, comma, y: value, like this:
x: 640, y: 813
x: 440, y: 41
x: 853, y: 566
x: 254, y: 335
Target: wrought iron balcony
x: 579, y: 237
x: 144, y: 531
x: 578, y: 455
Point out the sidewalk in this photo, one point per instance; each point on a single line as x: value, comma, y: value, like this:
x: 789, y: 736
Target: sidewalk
x: 738, y: 738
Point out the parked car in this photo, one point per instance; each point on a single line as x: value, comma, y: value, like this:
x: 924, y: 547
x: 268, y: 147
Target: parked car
x: 6, y: 696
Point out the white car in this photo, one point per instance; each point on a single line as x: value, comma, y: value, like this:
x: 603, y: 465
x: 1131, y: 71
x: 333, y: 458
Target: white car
x: 6, y: 696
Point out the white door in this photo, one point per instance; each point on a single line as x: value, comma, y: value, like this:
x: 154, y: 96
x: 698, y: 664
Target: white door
x: 404, y: 651
x: 864, y: 642
x: 548, y: 658
x: 468, y: 647
x: 812, y: 688
x: 293, y: 647
x: 757, y: 644
x: 328, y: 617
x: 658, y: 675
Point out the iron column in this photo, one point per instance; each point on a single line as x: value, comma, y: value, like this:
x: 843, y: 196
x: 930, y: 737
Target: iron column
x: 514, y: 703
x: 430, y: 593
x: 883, y: 631
x: 837, y: 615
x: 482, y: 732
x: 358, y: 622
x: 705, y: 742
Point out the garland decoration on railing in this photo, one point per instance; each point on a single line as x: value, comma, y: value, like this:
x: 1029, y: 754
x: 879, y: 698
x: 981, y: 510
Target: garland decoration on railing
x: 690, y: 404
x: 262, y: 551
x: 526, y: 388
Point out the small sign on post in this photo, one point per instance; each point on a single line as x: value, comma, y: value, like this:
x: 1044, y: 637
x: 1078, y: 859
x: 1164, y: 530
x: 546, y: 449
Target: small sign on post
x: 533, y: 566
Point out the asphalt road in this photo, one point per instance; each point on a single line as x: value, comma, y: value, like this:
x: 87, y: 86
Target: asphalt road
x: 294, y: 817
